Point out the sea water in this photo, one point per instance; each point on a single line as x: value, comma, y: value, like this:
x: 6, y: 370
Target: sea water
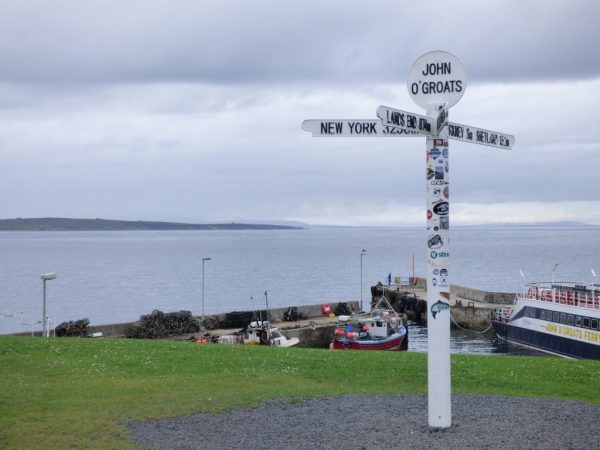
x: 117, y: 276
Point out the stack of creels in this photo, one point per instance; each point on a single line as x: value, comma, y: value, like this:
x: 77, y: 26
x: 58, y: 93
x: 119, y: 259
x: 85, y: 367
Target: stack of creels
x: 342, y: 309
x: 160, y: 325
x: 210, y: 323
x: 73, y: 328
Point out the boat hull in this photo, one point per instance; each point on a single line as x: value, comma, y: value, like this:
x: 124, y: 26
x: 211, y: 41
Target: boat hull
x: 393, y: 342
x: 548, y: 343
x: 560, y: 329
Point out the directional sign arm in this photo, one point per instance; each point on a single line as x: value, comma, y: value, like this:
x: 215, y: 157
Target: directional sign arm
x: 406, y: 120
x: 353, y: 128
x: 476, y: 135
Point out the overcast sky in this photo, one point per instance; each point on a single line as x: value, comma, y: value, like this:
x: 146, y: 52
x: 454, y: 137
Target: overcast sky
x: 192, y: 110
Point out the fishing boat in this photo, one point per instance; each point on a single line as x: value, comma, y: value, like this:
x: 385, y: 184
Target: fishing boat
x: 558, y: 318
x: 259, y: 332
x: 382, y: 329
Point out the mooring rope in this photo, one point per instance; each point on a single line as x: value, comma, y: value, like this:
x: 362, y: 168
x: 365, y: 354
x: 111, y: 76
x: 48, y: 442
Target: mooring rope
x: 468, y: 329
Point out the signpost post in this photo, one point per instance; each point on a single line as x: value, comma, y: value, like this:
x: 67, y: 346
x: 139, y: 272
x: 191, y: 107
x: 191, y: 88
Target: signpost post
x: 436, y: 82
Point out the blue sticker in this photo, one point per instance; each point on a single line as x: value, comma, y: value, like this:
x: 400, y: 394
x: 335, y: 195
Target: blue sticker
x: 439, y: 306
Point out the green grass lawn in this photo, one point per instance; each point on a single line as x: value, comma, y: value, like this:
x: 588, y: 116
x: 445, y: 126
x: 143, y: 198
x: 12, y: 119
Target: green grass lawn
x: 61, y: 393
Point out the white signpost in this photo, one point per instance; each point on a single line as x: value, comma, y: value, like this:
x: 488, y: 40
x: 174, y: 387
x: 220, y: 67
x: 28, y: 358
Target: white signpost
x: 353, y: 128
x: 436, y: 82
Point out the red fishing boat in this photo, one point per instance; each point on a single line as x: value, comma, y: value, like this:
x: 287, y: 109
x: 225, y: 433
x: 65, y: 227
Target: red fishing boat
x: 382, y: 329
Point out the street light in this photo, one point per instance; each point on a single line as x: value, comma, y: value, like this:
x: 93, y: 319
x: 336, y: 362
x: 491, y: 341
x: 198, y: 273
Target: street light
x: 203, y: 261
x: 363, y: 252
x: 45, y: 277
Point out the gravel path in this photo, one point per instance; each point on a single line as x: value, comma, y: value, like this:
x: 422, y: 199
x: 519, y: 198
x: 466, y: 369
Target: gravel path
x: 382, y: 422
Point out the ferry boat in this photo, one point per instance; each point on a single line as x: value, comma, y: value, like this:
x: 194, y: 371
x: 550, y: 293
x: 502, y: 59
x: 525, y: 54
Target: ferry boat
x: 383, y: 329
x: 558, y: 318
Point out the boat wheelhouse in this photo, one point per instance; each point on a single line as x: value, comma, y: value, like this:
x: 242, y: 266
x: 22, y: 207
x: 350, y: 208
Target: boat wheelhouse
x: 259, y: 332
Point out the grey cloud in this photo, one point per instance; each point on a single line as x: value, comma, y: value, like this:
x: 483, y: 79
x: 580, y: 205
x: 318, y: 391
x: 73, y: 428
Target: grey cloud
x: 60, y: 42
x: 170, y: 110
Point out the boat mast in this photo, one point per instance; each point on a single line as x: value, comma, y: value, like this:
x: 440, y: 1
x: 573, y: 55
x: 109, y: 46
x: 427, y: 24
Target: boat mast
x: 267, y: 303
x: 268, y: 329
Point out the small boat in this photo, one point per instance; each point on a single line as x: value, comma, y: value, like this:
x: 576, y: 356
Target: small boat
x: 259, y: 332
x: 382, y: 329
x: 557, y: 318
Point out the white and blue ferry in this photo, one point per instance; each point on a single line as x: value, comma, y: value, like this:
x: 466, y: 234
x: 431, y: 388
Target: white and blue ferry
x: 558, y: 318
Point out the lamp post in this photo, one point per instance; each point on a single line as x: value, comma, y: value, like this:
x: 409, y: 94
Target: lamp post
x: 363, y: 252
x: 203, y: 261
x: 45, y: 277
x: 552, y: 287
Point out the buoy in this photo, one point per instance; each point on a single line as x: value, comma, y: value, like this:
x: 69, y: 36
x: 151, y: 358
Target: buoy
x: 325, y: 309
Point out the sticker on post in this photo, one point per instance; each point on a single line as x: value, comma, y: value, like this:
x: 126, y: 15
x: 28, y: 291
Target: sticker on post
x: 438, y: 307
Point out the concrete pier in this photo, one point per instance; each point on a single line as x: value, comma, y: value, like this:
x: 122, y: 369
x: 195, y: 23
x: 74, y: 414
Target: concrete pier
x: 470, y: 308
x: 312, y: 330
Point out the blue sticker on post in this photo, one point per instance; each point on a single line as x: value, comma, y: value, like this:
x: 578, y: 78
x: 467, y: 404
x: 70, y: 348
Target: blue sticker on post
x: 438, y: 307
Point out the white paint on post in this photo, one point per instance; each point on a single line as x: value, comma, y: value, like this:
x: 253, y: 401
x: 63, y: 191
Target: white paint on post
x: 436, y: 82
x: 438, y: 292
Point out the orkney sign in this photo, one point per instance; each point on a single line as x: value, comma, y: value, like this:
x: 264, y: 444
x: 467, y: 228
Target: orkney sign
x: 352, y: 128
x: 480, y: 136
x: 436, y: 82
x: 437, y: 78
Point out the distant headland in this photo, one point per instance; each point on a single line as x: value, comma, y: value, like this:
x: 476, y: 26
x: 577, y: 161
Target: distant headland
x: 65, y: 224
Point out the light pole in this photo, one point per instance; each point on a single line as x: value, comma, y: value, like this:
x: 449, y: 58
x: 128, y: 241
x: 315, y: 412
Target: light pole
x: 45, y: 277
x: 363, y: 252
x: 203, y: 261
x: 552, y: 287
